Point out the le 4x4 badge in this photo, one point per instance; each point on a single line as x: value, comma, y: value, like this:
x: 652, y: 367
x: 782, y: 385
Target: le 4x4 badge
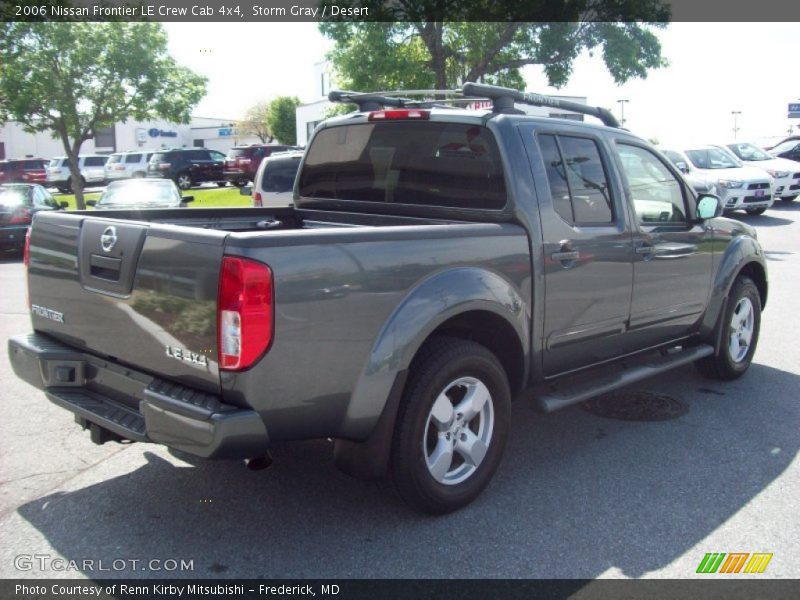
x: 187, y: 356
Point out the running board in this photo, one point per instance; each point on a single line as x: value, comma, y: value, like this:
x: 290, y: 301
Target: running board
x: 560, y: 395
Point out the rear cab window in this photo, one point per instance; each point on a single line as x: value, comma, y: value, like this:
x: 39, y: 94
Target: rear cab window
x: 279, y: 175
x: 577, y: 177
x: 439, y: 164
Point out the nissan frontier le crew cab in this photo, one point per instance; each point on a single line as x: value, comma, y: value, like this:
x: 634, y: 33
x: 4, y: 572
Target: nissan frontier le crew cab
x: 437, y: 263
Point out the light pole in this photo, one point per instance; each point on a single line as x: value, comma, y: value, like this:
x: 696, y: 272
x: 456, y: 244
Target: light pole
x: 622, y: 111
x: 735, y: 114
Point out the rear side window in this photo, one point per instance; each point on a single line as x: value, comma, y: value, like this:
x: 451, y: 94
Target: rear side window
x: 279, y: 175
x: 578, y: 183
x: 133, y: 158
x: 158, y: 157
x: 424, y: 163
x: 95, y: 161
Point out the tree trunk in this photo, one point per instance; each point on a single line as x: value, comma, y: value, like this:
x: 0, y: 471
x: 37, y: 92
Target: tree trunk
x: 75, y: 176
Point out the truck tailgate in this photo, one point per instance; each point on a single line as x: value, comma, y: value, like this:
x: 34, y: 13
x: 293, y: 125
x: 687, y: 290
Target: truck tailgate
x: 142, y: 294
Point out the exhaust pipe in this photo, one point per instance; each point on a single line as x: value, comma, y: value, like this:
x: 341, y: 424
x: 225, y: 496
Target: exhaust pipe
x: 259, y: 463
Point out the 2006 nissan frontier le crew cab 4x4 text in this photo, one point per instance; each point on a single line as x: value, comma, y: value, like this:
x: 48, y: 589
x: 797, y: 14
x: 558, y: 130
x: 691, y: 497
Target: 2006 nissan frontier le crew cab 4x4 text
x: 437, y: 262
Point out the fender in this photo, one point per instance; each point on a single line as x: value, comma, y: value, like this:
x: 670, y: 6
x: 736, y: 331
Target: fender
x: 740, y: 252
x: 436, y: 299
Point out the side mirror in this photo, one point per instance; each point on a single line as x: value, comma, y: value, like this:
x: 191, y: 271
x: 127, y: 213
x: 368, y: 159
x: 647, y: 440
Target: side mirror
x: 187, y: 199
x: 62, y: 205
x: 246, y: 190
x: 91, y: 202
x: 708, y: 206
x: 682, y: 167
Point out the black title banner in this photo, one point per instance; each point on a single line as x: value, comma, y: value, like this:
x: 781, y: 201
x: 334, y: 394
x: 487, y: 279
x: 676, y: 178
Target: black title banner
x: 397, y: 589
x: 399, y: 10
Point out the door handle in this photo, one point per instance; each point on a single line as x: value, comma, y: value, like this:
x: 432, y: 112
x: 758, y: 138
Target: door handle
x: 645, y: 250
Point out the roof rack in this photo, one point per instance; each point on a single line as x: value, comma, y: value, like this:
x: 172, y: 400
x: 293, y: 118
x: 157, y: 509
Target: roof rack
x: 503, y: 100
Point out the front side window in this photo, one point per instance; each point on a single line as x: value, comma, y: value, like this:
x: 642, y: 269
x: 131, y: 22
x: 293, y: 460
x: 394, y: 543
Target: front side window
x: 657, y: 194
x: 406, y: 162
x: 578, y: 184
x: 95, y: 161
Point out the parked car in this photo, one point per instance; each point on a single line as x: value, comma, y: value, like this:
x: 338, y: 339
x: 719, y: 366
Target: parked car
x: 23, y: 170
x: 140, y: 194
x: 784, y: 172
x: 437, y: 263
x: 126, y: 165
x: 18, y: 203
x: 273, y: 184
x: 789, y: 149
x: 188, y: 166
x: 792, y: 138
x: 90, y: 166
x: 242, y: 162
x: 739, y: 187
x: 701, y: 185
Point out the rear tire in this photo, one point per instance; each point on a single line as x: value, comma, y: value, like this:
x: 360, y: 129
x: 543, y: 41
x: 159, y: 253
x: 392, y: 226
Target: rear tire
x: 240, y: 183
x: 451, y: 427
x: 755, y: 211
x: 184, y: 181
x: 740, y: 323
x: 222, y: 183
x: 788, y: 198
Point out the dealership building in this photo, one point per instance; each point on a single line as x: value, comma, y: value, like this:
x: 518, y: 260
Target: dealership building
x: 216, y: 134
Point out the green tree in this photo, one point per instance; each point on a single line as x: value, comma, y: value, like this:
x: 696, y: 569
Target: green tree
x: 75, y: 78
x: 413, y: 53
x: 282, y: 120
x: 256, y: 122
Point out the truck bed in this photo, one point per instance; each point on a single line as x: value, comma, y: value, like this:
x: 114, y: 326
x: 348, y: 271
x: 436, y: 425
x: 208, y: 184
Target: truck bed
x: 151, y: 302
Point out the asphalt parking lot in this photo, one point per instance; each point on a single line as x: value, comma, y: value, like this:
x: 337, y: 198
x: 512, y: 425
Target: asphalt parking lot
x: 577, y: 495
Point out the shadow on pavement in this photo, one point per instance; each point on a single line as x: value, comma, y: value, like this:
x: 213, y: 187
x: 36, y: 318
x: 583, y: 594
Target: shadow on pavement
x: 575, y: 496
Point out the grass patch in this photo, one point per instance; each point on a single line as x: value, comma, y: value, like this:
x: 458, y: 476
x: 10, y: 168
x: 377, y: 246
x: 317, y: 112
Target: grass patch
x: 204, y: 197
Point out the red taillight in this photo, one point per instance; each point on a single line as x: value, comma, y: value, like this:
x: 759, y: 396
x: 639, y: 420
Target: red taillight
x: 399, y: 115
x: 244, y: 161
x: 257, y: 200
x: 244, y: 312
x: 21, y: 216
x: 26, y: 256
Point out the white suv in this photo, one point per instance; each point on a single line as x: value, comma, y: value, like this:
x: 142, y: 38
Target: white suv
x: 740, y: 187
x: 785, y: 172
x: 91, y: 167
x: 125, y: 165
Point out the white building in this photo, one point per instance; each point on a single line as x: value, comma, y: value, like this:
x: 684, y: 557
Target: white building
x: 315, y: 111
x: 216, y: 134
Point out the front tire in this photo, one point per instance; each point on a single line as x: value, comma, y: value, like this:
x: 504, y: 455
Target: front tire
x: 755, y: 211
x: 451, y: 427
x: 740, y: 323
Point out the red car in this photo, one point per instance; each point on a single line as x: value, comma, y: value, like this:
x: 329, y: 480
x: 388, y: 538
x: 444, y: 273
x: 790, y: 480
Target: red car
x: 23, y: 170
x: 242, y: 161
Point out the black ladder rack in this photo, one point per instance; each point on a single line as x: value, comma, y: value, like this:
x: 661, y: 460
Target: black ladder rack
x: 503, y: 100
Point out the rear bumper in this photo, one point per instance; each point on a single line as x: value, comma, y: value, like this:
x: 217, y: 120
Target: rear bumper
x: 234, y: 176
x: 135, y: 405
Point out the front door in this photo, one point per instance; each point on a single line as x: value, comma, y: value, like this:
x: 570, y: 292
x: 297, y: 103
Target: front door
x: 587, y: 249
x: 673, y: 257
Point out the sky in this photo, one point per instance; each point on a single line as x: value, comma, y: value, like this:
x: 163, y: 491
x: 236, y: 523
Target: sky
x: 715, y: 69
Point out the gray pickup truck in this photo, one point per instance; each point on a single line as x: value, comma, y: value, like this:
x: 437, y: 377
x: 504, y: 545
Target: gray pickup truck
x: 437, y: 262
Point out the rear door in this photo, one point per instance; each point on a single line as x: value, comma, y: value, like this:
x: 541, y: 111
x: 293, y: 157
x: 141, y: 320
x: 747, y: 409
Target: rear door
x: 673, y: 253
x: 587, y: 248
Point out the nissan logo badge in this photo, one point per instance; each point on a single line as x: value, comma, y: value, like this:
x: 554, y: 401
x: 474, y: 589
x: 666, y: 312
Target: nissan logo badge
x: 109, y: 238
